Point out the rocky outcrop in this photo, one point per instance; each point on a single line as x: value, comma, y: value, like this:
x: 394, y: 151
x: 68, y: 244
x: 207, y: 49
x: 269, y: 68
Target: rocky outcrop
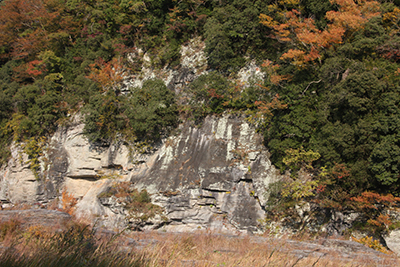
x: 393, y: 241
x: 17, y: 182
x: 213, y: 176
x: 36, y: 217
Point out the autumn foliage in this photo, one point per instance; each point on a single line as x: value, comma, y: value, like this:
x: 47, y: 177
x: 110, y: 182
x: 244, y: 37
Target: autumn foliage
x: 108, y: 74
x: 27, y: 27
x: 68, y: 202
x: 369, y: 200
x: 308, y: 41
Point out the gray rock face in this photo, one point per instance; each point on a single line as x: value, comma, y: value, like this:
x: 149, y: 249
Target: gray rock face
x: 218, y: 175
x: 393, y: 241
x: 17, y: 181
x: 214, y: 176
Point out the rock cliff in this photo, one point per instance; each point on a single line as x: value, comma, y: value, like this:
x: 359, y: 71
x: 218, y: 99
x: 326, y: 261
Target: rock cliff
x: 210, y: 176
x: 214, y: 176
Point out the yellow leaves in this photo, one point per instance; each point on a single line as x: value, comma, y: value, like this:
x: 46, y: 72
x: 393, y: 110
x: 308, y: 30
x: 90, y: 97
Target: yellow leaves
x: 14, y: 126
x: 289, y: 2
x: 300, y: 158
x: 299, y: 189
x: 393, y: 16
x: 370, y: 242
x: 267, y: 21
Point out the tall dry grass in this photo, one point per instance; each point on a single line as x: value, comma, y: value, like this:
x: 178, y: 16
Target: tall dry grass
x: 210, y: 249
x: 80, y: 245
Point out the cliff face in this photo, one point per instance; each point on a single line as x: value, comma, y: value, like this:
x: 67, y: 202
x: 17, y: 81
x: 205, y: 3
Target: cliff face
x: 214, y: 176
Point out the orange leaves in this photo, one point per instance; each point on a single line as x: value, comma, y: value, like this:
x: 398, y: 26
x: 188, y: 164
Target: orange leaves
x: 381, y: 220
x: 36, y: 68
x: 369, y: 200
x: 22, y: 26
x: 352, y: 15
x: 308, y: 40
x: 270, y: 69
x: 265, y: 108
x: 108, y: 74
x: 68, y: 202
x: 297, y: 56
x: 300, y: 31
x: 375, y: 207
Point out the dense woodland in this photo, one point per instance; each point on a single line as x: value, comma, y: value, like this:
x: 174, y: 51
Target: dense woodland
x: 329, y: 107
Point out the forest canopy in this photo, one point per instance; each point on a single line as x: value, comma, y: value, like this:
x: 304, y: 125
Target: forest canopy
x: 329, y: 105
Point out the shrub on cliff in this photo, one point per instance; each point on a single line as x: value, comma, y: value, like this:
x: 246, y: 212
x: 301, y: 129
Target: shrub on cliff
x: 145, y: 114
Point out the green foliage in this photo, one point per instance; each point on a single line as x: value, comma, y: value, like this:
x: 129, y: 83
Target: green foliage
x: 213, y: 93
x: 153, y: 111
x: 299, y: 189
x: 34, y: 149
x: 209, y: 94
x: 343, y: 104
x: 346, y: 110
x: 137, y: 203
x: 145, y: 115
x: 231, y: 33
x: 105, y: 117
x: 297, y: 159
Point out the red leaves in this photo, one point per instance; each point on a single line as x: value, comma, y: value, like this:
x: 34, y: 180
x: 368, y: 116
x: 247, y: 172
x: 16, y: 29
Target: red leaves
x: 213, y: 93
x: 36, y: 68
x: 368, y: 200
x: 321, y: 188
x: 28, y: 71
x: 108, y: 74
x: 340, y: 171
x: 29, y: 26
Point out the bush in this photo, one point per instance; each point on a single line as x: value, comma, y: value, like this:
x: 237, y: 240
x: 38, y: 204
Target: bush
x: 144, y: 115
x: 152, y: 111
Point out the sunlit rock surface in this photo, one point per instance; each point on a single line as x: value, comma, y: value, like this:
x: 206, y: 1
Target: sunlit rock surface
x: 213, y: 176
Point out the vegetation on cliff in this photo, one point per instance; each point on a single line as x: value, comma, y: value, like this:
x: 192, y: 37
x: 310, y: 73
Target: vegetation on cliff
x: 328, y: 108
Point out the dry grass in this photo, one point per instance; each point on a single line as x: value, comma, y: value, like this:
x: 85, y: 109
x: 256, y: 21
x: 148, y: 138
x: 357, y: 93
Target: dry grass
x: 79, y: 245
x: 208, y: 249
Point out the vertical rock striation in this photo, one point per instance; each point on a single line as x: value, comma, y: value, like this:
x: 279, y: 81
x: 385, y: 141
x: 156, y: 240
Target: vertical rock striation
x: 214, y: 176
